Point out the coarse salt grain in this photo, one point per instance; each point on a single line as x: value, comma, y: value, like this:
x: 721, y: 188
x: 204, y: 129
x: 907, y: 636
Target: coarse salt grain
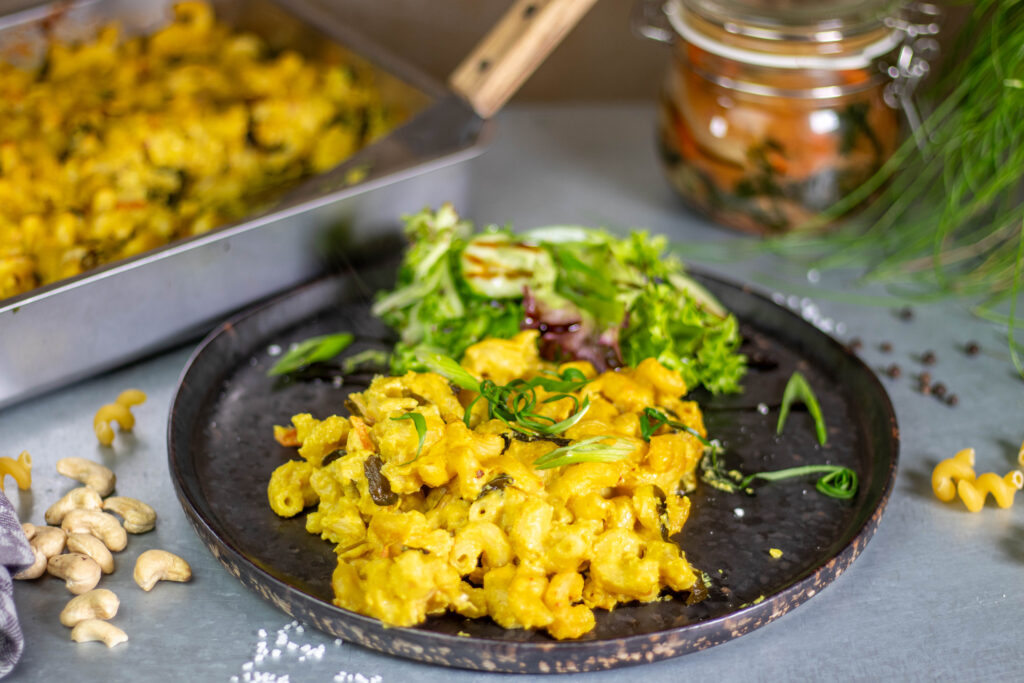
x: 273, y: 350
x: 262, y: 633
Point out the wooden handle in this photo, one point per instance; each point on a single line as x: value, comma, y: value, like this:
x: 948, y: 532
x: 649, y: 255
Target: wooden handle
x: 513, y: 49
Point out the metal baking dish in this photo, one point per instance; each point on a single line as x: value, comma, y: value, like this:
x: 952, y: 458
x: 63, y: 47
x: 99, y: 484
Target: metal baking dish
x: 81, y: 326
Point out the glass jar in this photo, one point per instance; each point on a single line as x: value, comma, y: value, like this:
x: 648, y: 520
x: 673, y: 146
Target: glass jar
x: 772, y: 111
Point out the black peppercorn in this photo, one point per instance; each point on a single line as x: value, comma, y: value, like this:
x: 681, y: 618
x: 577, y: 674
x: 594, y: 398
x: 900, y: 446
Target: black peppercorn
x: 885, y: 347
x: 939, y: 390
x: 906, y: 313
x: 952, y: 400
x: 928, y: 358
x: 893, y: 371
x: 972, y: 348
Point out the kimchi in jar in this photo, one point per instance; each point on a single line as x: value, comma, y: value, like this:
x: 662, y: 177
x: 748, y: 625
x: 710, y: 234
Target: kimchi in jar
x: 773, y: 111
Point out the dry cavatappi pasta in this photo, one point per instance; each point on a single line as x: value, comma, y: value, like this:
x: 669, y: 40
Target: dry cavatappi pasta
x: 463, y: 520
x: 117, y: 145
x: 955, y: 477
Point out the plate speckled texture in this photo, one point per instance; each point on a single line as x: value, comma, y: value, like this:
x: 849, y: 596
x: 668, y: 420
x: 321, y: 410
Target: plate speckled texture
x: 222, y: 453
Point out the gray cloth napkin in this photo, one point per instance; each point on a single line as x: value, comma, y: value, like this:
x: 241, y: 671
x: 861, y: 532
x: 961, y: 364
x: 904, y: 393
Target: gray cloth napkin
x: 15, y: 555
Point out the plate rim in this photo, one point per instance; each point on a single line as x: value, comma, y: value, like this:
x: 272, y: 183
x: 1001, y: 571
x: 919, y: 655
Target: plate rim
x: 416, y: 643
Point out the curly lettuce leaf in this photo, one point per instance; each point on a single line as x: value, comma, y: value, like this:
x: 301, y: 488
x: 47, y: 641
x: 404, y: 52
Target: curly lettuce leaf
x: 593, y: 295
x: 667, y: 324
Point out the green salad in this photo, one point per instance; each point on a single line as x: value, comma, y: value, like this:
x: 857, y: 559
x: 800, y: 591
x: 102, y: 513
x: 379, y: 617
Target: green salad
x: 592, y: 296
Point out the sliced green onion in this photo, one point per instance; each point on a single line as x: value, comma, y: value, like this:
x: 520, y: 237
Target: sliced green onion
x: 450, y: 369
x: 595, y: 449
x: 421, y: 430
x: 797, y: 389
x: 369, y: 357
x: 312, y: 350
x: 652, y: 419
x: 570, y: 380
x: 837, y: 482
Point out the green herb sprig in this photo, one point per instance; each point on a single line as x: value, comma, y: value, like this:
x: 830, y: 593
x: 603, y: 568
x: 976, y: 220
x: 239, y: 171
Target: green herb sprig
x: 421, y: 431
x: 312, y: 350
x: 798, y: 389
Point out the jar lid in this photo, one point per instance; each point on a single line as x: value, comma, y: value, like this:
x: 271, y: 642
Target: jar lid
x: 794, y: 34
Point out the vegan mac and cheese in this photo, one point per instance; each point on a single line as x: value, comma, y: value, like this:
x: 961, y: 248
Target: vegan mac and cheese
x: 452, y: 512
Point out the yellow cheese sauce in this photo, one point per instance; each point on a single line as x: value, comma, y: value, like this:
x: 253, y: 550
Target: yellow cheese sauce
x: 467, y: 523
x: 118, y: 145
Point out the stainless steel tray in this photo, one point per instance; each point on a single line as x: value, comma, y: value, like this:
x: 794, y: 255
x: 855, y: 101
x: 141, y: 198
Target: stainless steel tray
x: 114, y: 314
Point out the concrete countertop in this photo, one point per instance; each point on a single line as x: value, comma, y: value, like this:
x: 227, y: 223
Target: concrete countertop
x: 935, y: 595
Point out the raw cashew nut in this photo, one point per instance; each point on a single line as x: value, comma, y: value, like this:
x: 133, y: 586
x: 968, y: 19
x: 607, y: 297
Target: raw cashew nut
x: 49, y: 539
x: 45, y: 541
x: 34, y: 570
x: 102, y: 525
x: 98, y: 603
x: 138, y: 517
x: 87, y: 544
x: 80, y: 572
x: 82, y: 497
x: 95, y: 629
x: 92, y: 474
x: 160, y: 565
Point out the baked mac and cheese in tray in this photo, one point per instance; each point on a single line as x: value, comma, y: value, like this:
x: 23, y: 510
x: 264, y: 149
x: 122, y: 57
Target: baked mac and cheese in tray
x: 506, y: 487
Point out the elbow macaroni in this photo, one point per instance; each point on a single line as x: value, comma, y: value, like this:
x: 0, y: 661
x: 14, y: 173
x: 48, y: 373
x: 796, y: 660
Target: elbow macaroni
x: 120, y: 412
x: 20, y: 470
x: 471, y: 526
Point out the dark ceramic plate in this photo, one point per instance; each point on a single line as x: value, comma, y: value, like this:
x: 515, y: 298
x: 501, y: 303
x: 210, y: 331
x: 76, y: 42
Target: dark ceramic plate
x: 222, y: 454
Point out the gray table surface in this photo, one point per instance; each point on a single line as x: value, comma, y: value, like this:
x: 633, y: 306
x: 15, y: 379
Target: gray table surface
x: 936, y: 594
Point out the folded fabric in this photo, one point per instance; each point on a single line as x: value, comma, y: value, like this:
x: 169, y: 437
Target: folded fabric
x: 15, y: 555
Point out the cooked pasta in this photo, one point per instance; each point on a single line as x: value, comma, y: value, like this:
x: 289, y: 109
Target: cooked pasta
x: 951, y: 470
x: 973, y: 493
x: 120, y: 412
x: 452, y: 511
x: 20, y: 470
x: 117, y: 145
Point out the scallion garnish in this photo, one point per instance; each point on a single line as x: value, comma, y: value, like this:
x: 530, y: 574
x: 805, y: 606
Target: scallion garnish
x: 421, y: 430
x: 594, y: 449
x: 312, y: 350
x: 370, y: 358
x: 515, y: 403
x: 797, y: 389
x: 450, y: 369
x: 836, y: 482
x: 652, y: 419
